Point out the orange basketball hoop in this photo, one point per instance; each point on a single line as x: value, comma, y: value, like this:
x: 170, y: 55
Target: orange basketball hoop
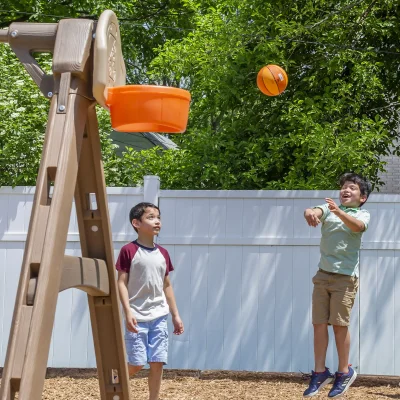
x: 146, y: 108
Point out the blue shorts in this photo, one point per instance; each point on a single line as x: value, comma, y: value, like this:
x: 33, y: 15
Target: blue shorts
x: 150, y: 344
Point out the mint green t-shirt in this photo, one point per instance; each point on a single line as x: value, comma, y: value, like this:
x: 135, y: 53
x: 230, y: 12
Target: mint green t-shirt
x: 340, y: 247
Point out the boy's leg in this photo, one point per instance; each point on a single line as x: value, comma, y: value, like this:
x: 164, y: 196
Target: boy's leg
x: 320, y: 316
x: 134, y: 369
x: 155, y: 377
x: 157, y: 354
x: 321, y: 376
x: 342, y: 338
x: 344, y: 291
x: 321, y: 340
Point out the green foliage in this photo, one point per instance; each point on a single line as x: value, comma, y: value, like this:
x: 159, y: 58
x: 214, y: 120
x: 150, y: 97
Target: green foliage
x: 335, y: 115
x: 23, y: 113
x: 170, y: 165
x: 339, y: 112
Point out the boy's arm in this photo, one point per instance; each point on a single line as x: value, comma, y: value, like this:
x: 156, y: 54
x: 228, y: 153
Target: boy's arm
x: 312, y: 216
x: 354, y: 224
x: 122, y: 283
x: 170, y: 296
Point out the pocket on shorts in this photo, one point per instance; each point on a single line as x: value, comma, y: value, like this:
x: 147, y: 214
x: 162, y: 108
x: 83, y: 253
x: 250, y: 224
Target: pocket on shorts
x: 319, y: 277
x: 130, y: 335
x: 133, y: 346
x: 133, y: 340
x: 164, y: 326
x: 351, y: 283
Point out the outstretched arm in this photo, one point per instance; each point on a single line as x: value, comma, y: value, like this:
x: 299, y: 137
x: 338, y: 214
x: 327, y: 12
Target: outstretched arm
x: 170, y: 296
x: 352, y: 223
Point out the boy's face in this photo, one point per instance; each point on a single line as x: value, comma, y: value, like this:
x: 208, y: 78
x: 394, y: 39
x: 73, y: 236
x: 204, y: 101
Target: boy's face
x: 350, y: 195
x: 150, y: 223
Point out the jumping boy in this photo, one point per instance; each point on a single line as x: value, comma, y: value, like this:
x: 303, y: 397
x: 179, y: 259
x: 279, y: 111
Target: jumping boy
x: 147, y: 296
x: 336, y: 282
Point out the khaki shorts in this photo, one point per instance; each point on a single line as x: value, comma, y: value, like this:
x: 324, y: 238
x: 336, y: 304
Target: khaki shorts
x: 333, y: 298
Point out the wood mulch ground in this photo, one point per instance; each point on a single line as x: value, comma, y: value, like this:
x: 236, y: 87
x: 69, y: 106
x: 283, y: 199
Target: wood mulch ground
x: 67, y: 384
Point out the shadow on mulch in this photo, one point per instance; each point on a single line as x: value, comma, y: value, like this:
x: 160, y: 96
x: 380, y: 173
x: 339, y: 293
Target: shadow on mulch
x: 389, y: 396
x: 175, y: 374
x: 362, y: 380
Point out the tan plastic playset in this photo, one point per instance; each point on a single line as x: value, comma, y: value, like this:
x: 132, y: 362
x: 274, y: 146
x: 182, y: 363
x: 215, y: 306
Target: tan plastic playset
x: 88, y: 68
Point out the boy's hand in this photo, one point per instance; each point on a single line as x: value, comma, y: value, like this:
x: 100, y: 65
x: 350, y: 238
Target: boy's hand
x: 131, y: 323
x: 178, y: 325
x: 311, y: 218
x: 332, y: 206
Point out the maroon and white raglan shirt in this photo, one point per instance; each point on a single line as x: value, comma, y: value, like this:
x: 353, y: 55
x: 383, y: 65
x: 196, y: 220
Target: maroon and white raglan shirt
x: 147, y: 268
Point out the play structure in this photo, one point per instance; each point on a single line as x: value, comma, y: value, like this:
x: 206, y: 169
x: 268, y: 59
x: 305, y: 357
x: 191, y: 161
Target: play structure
x: 88, y: 68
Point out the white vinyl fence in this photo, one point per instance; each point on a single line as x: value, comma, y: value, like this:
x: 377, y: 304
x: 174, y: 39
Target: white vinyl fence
x: 243, y: 267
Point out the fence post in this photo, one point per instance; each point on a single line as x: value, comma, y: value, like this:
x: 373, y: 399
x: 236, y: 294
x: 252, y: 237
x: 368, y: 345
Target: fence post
x: 151, y: 189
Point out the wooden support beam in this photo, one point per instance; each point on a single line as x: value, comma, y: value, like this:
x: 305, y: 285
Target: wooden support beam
x: 87, y: 274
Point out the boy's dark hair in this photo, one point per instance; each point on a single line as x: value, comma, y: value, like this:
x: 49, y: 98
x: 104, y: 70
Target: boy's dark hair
x: 364, y: 185
x: 138, y: 210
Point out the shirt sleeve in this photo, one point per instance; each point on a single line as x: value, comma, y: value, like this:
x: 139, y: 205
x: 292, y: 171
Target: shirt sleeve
x: 170, y: 267
x: 364, y: 216
x: 325, y: 211
x: 124, y: 260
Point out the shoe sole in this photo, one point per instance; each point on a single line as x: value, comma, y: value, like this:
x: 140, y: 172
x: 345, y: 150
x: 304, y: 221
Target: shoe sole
x: 323, y: 384
x: 353, y: 378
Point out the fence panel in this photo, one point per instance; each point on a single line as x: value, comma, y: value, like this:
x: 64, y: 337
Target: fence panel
x: 243, y: 261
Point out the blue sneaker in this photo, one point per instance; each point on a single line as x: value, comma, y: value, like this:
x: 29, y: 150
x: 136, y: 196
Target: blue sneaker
x: 318, y: 381
x: 342, y: 383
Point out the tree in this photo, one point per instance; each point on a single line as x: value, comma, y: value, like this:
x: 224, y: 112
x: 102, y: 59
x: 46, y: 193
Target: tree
x: 22, y: 124
x: 339, y: 112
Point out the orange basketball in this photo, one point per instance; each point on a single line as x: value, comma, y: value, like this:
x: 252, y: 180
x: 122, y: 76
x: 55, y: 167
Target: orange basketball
x: 272, y: 80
